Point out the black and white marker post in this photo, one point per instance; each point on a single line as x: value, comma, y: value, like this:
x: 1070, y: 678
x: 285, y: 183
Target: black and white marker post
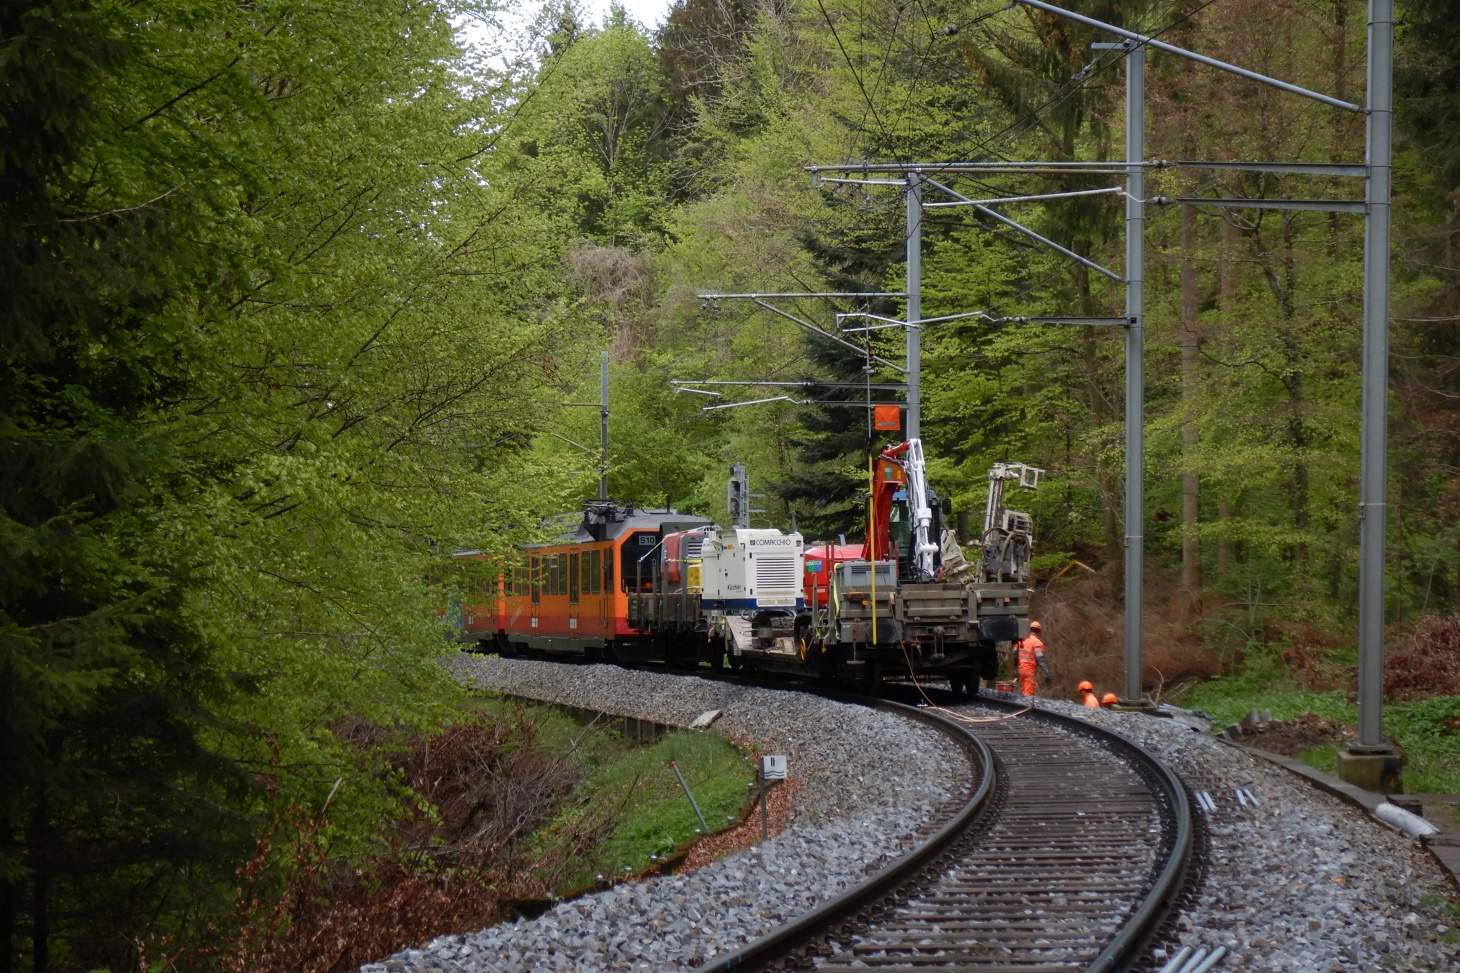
x: 772, y: 767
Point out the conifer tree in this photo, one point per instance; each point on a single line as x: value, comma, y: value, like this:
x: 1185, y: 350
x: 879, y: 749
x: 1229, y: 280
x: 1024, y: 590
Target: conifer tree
x: 111, y: 804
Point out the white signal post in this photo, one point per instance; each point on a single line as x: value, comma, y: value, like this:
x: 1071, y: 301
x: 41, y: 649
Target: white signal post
x: 772, y: 767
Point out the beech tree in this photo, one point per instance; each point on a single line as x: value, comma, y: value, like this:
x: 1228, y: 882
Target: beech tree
x: 278, y: 325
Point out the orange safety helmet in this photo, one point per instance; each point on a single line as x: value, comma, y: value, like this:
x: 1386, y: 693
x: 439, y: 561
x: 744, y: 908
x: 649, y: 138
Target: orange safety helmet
x: 1035, y: 627
x: 1109, y: 699
x: 1085, y: 687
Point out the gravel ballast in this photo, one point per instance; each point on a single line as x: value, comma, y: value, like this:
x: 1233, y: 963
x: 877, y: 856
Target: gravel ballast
x: 1301, y: 881
x: 1296, y: 881
x: 871, y: 782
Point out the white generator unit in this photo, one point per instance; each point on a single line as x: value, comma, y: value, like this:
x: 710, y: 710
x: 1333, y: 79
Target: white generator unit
x: 749, y: 569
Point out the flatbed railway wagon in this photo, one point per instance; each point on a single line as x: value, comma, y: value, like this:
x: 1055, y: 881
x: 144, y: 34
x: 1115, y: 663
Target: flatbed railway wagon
x: 571, y: 596
x: 899, y: 610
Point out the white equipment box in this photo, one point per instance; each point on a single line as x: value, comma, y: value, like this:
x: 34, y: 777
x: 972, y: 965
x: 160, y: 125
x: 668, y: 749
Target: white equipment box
x: 748, y: 569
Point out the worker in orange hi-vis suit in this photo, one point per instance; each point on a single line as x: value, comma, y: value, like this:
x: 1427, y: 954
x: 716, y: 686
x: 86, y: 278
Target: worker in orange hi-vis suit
x: 1029, y: 652
x: 1087, y: 695
x: 1109, y: 700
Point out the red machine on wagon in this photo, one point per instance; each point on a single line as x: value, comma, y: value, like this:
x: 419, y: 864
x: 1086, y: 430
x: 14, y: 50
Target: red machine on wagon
x: 907, y: 603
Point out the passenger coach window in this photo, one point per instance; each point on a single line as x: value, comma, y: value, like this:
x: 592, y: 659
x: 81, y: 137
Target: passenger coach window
x: 573, y: 577
x: 593, y: 570
x: 535, y: 577
x: 608, y: 570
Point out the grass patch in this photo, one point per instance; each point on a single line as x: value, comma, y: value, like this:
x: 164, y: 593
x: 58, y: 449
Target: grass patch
x: 556, y: 732
x: 1428, y: 730
x: 1323, y: 757
x: 627, y: 807
x: 632, y: 808
x: 1227, y: 700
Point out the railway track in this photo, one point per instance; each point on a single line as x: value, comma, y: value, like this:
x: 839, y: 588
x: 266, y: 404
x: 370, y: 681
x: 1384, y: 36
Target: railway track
x: 1065, y: 859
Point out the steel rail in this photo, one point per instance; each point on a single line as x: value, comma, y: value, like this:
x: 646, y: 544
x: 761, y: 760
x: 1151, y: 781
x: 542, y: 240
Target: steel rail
x: 783, y: 939
x: 1146, y: 921
x: 1134, y: 934
x: 1138, y: 931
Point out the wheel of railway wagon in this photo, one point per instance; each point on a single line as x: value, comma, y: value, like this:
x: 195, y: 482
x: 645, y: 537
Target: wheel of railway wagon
x: 963, y: 682
x: 872, y: 679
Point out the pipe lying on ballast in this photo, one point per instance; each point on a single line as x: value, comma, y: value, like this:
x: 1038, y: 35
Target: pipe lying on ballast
x: 1176, y: 962
x: 1211, y: 961
x: 1189, y: 962
x: 1201, y: 961
x: 1406, y: 821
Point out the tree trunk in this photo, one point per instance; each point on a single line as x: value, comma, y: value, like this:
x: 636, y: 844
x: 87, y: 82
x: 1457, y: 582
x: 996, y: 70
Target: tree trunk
x: 1190, y: 339
x: 39, y: 840
x: 1229, y: 288
x: 7, y: 904
x: 1099, y: 414
x: 1224, y: 546
x: 1297, y: 405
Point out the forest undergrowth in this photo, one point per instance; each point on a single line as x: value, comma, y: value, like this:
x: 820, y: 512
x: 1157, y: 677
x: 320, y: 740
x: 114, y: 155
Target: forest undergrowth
x: 513, y: 807
x: 1204, y: 655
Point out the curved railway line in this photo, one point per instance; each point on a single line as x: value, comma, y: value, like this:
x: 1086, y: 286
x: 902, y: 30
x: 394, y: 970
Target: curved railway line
x: 1287, y: 878
x: 1066, y: 858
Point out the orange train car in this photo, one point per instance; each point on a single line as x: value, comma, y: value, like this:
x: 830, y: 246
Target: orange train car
x: 571, y: 596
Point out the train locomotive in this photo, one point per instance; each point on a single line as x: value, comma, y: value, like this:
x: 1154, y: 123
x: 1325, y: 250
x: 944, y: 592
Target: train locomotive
x: 636, y: 585
x: 571, y: 596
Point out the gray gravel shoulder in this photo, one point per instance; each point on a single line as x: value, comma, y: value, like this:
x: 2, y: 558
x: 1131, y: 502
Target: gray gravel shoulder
x: 871, y: 783
x: 1301, y: 881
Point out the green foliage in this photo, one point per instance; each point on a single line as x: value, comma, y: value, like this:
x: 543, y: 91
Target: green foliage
x: 115, y: 798
x: 639, y: 808
x: 594, y: 131
x: 278, y: 327
x: 1427, y: 80
x: 296, y: 302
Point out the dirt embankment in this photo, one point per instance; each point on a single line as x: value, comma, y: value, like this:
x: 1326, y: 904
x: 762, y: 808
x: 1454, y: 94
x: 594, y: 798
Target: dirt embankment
x: 1303, y: 732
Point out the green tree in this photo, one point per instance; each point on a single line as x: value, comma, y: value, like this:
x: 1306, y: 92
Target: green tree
x: 279, y: 326
x: 596, y: 129
x: 115, y: 802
